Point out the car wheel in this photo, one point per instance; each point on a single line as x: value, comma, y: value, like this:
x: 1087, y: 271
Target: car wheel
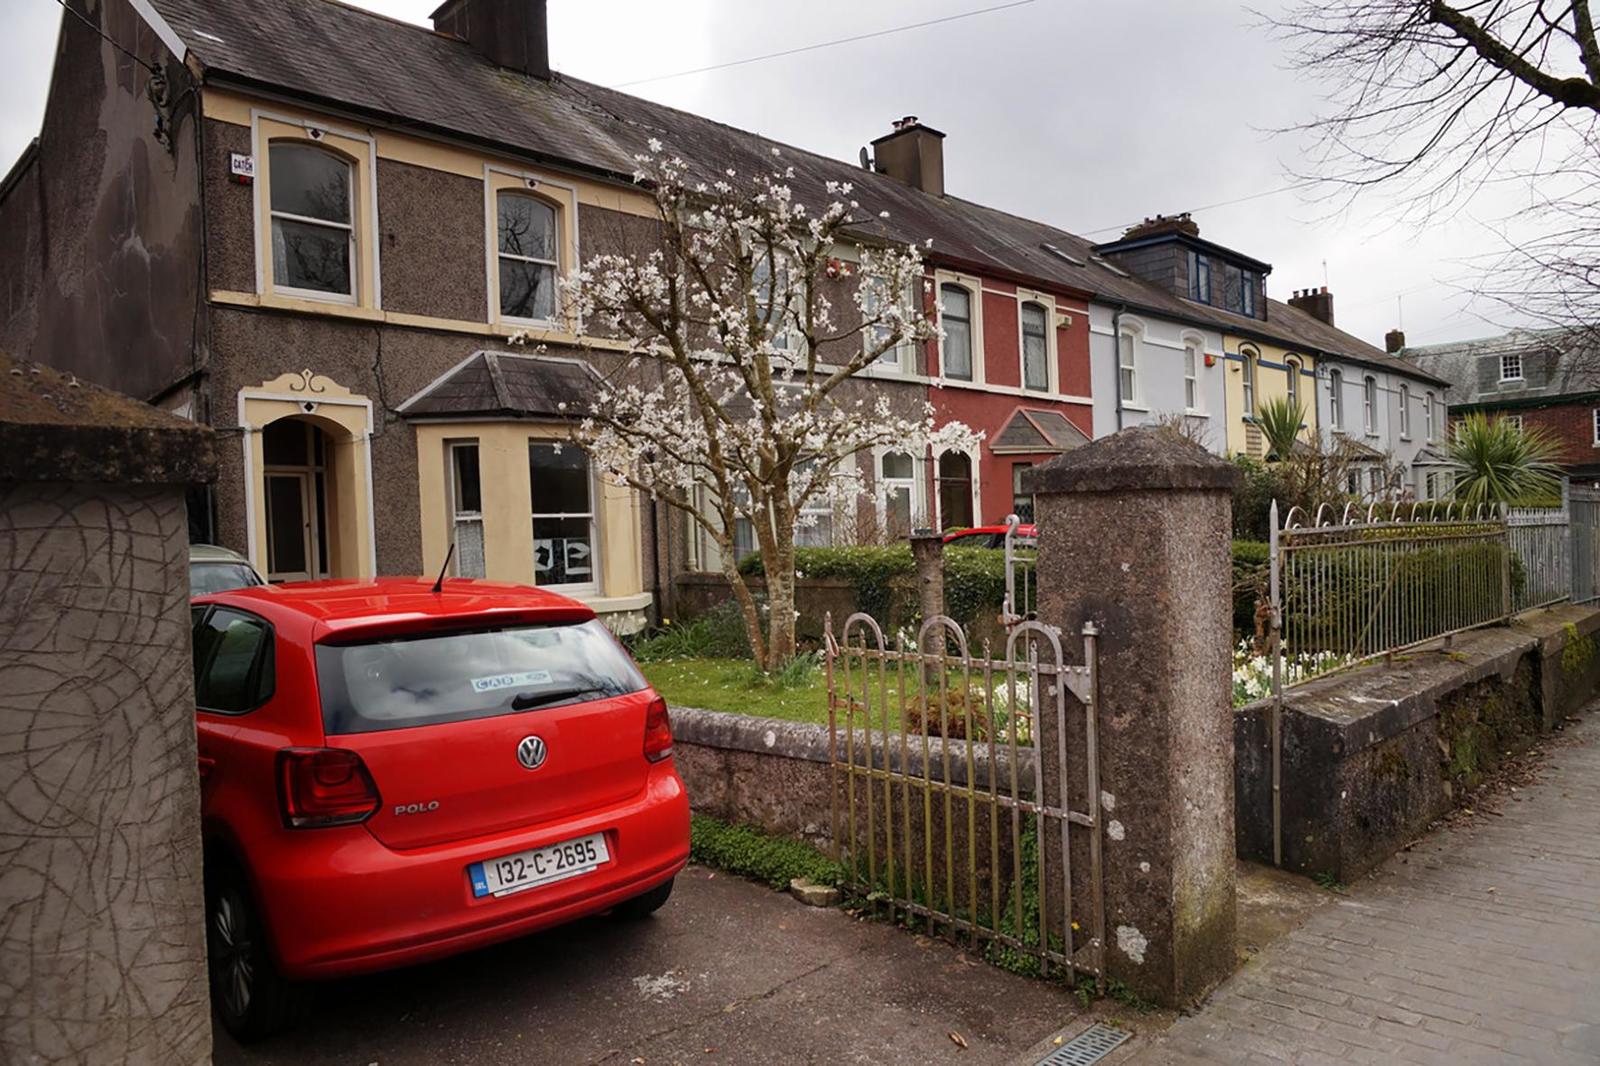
x: 249, y: 995
x: 644, y: 904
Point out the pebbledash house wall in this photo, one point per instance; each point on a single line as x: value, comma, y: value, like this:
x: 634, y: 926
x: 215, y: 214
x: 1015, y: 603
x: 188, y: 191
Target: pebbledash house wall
x: 245, y: 355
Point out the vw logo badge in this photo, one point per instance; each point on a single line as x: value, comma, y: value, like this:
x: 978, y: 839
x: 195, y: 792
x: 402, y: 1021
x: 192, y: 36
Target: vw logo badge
x: 530, y: 753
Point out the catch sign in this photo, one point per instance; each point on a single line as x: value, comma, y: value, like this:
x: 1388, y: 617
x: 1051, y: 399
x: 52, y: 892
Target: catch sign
x: 242, y: 167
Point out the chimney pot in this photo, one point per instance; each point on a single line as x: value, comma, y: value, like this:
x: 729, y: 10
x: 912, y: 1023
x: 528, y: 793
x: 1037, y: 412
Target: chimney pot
x: 1315, y: 301
x: 1394, y: 341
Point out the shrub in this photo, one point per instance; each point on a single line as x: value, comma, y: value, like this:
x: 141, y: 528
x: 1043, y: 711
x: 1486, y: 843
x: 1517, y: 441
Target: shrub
x: 749, y: 852
x: 1251, y: 566
x: 1252, y: 498
x: 718, y: 634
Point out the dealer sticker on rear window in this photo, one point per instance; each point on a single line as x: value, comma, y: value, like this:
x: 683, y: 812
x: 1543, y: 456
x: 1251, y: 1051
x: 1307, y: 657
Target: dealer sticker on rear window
x: 500, y: 681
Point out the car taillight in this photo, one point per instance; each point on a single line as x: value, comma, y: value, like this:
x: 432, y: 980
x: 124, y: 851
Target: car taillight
x: 324, y: 786
x: 657, y: 731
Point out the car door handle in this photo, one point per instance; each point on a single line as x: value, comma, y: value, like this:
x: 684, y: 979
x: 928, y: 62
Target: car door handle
x: 207, y: 764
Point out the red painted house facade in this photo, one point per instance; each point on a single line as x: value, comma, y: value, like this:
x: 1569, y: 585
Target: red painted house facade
x: 1025, y: 388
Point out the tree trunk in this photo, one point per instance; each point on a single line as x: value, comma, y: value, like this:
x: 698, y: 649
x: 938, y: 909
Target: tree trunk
x: 747, y: 606
x: 780, y: 594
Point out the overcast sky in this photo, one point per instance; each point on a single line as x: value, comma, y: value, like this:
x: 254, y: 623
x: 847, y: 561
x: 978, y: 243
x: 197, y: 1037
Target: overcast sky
x: 1085, y: 114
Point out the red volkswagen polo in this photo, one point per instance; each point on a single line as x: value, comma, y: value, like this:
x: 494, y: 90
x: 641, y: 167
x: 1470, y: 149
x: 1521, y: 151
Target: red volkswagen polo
x: 391, y: 774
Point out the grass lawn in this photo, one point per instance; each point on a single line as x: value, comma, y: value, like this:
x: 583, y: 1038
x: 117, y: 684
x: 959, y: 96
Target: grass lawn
x: 732, y: 686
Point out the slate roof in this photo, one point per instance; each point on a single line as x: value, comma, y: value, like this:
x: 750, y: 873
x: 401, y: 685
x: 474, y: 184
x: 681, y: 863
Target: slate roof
x: 1038, y: 431
x: 411, y: 76
x: 506, y: 384
x: 1555, y: 363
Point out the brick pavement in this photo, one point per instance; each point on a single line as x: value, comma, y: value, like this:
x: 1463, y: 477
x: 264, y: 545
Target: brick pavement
x: 1480, y: 945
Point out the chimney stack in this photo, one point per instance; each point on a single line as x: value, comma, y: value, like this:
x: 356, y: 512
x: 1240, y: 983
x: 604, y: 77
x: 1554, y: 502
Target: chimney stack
x: 913, y: 153
x: 1315, y: 302
x: 1150, y: 227
x: 509, y: 33
x: 1394, y: 341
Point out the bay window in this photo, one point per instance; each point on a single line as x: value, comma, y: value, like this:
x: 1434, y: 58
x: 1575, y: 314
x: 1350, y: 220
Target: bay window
x: 564, y: 542
x: 466, y: 508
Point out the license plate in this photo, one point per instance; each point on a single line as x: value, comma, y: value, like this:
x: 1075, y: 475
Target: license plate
x: 539, y: 866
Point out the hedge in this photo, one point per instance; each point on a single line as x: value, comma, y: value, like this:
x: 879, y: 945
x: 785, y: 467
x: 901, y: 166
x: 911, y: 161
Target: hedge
x: 974, y: 578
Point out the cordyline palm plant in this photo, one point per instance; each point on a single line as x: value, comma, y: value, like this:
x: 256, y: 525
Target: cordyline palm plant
x: 1494, y: 461
x: 1280, y: 420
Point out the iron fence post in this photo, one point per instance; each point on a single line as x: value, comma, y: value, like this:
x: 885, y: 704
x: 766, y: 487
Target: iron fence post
x: 1275, y: 637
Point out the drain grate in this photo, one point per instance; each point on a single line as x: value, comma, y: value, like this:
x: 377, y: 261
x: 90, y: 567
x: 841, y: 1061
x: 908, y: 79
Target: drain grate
x: 1089, y: 1046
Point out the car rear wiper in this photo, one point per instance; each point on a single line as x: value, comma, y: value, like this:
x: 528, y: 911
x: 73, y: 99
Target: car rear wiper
x: 528, y: 700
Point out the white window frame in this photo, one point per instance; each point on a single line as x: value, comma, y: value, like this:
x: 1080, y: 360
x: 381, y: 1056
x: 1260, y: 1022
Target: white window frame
x: 1336, y: 399
x: 974, y: 291
x: 894, y: 359
x: 1291, y: 373
x: 561, y: 195
x: 1427, y: 415
x: 816, y: 509
x: 596, y: 550
x: 1251, y: 360
x: 353, y: 250
x: 918, y: 494
x: 1511, y: 367
x: 1369, y: 405
x: 1515, y: 420
x: 1193, y: 359
x: 1595, y: 418
x: 554, y: 264
x: 452, y: 498
x: 1128, y: 368
x: 1047, y: 306
x: 1405, y: 411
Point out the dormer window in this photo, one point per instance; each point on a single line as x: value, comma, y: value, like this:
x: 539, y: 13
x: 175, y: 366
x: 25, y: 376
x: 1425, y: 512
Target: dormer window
x: 1511, y: 367
x: 527, y: 257
x: 1249, y: 281
x: 313, y: 220
x: 1199, y: 278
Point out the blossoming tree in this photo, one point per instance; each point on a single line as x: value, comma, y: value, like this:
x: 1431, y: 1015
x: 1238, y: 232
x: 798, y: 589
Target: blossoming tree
x: 732, y: 404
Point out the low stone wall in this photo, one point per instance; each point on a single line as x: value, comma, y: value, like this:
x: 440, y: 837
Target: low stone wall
x: 776, y: 775
x: 1373, y: 755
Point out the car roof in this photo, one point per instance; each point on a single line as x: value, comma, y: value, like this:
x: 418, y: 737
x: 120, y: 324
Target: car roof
x: 214, y: 553
x: 320, y: 609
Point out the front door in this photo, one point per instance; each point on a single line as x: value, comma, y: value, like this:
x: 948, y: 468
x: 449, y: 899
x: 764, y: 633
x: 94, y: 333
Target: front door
x: 290, y: 530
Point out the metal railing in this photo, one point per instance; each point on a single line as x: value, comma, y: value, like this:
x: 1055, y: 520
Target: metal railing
x: 966, y: 788
x: 1020, y: 585
x: 1348, y: 586
x: 1541, y: 548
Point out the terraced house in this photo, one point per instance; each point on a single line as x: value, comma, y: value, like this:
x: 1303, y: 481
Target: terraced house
x: 1384, y: 411
x: 321, y: 231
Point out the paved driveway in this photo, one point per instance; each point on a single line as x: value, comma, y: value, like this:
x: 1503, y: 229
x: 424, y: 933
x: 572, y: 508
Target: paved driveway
x: 727, y: 972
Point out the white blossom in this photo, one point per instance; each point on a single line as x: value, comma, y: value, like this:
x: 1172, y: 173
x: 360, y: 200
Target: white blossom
x: 736, y: 403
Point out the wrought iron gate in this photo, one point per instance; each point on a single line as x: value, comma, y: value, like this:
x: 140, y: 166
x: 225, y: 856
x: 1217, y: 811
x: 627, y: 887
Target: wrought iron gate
x: 966, y: 790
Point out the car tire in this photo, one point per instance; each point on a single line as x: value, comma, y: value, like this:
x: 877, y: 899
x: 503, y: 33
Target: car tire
x: 251, y: 998
x: 644, y: 904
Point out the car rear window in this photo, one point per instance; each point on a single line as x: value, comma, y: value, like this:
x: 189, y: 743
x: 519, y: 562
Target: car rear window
x: 399, y: 682
x: 206, y: 578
